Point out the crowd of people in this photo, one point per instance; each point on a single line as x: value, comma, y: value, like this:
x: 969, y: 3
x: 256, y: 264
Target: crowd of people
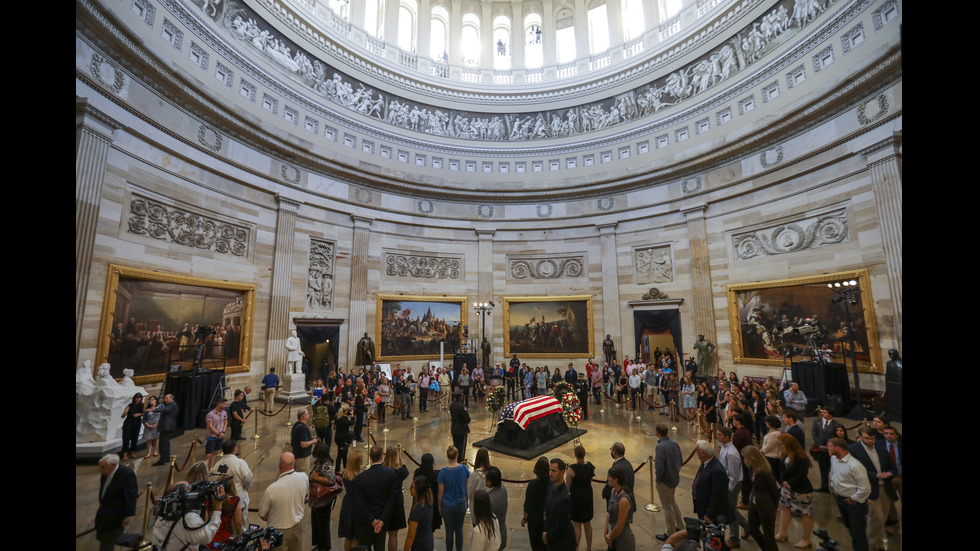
x: 754, y: 458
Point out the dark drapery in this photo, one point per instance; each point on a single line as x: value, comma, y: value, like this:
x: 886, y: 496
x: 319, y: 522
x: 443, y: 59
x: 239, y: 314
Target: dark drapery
x: 318, y: 334
x: 657, y: 321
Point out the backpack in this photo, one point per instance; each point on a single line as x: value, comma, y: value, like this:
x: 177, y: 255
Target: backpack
x: 321, y: 417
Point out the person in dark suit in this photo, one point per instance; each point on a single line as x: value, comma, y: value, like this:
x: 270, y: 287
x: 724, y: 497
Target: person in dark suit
x: 460, y: 426
x: 824, y: 429
x: 620, y: 463
x: 559, y: 533
x: 892, y: 445
x: 117, y: 501
x: 880, y: 469
x: 375, y: 497
x: 789, y: 421
x: 710, y: 489
x: 534, y: 503
x: 168, y: 424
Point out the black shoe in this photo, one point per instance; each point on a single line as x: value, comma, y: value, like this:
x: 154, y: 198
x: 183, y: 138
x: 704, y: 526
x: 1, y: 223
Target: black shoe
x: 160, y: 463
x: 823, y: 490
x: 662, y: 537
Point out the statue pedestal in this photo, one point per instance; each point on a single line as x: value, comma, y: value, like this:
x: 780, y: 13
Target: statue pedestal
x: 293, y: 387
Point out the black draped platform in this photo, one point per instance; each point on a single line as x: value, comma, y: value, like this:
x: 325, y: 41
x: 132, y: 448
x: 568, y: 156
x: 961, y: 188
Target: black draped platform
x: 817, y: 381
x: 194, y: 394
x: 540, y: 436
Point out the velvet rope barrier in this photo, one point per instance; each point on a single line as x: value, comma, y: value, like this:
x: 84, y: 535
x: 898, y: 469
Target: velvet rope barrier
x: 288, y: 402
x: 636, y: 470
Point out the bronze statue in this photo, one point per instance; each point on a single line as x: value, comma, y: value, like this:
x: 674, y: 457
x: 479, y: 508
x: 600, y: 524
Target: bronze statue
x: 365, y: 351
x: 609, y: 350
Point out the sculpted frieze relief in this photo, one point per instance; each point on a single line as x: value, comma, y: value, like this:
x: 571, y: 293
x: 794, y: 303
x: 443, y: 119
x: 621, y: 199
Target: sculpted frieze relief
x: 654, y: 264
x: 173, y: 224
x: 743, y: 48
x: 319, y: 277
x: 419, y: 266
x: 809, y: 233
x: 550, y: 267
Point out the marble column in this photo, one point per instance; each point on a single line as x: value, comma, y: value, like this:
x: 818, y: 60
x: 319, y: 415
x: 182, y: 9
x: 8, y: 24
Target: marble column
x: 614, y: 16
x: 357, y: 14
x: 93, y: 138
x: 279, y: 295
x: 455, y: 32
x: 424, y: 33
x: 517, y: 37
x: 488, y: 49
x: 697, y: 245
x: 360, y: 256
x: 611, y: 311
x: 548, y: 33
x: 885, y: 165
x: 392, y: 13
x: 583, y: 47
x: 484, y: 285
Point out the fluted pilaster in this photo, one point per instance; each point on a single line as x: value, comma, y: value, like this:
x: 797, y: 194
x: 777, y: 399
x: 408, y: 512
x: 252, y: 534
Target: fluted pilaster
x: 485, y: 283
x: 697, y: 237
x: 93, y: 137
x: 279, y: 295
x: 360, y: 255
x: 610, y: 288
x: 886, y: 177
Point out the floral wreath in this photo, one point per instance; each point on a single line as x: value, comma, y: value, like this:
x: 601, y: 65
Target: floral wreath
x: 571, y: 408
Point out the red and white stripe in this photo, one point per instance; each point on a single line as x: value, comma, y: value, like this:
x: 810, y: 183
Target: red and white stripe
x: 535, y: 408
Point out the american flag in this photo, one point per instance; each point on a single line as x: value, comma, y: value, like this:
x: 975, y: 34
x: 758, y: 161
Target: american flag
x: 524, y: 412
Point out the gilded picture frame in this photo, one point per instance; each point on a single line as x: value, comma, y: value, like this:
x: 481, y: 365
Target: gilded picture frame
x: 409, y: 327
x: 153, y: 307
x: 549, y: 327
x: 760, y: 331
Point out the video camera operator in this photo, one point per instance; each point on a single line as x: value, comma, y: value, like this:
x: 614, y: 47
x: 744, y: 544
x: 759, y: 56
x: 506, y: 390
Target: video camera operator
x: 180, y: 522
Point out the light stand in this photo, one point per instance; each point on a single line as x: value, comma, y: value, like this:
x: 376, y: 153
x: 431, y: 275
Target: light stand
x: 848, y: 292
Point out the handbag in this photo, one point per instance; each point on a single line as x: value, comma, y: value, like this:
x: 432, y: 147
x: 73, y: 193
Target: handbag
x: 320, y: 493
x: 434, y: 385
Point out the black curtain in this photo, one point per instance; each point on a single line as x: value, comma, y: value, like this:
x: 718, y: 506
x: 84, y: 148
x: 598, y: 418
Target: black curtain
x: 658, y: 321
x: 318, y: 334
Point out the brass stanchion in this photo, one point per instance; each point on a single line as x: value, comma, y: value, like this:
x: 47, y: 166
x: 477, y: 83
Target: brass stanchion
x: 367, y: 441
x: 145, y: 544
x: 384, y: 410
x: 289, y: 412
x: 652, y: 506
x: 256, y: 435
x: 673, y: 418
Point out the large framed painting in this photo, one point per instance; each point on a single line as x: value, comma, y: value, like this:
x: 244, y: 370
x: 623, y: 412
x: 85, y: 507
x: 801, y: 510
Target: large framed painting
x: 411, y: 327
x: 545, y: 327
x: 154, y: 320
x: 770, y: 317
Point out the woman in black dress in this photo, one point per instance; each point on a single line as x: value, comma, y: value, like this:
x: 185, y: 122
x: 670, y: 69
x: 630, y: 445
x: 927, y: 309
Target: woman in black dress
x: 578, y: 478
x: 393, y: 459
x: 132, y: 418
x: 323, y: 473
x: 343, y: 437
x: 346, y: 527
x: 706, y: 403
x: 534, y: 504
x: 427, y: 469
x: 763, y: 500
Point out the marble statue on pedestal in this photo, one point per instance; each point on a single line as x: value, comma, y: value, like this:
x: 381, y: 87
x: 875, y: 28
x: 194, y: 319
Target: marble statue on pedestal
x: 99, y: 403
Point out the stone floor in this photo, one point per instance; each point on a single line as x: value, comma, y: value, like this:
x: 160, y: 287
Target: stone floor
x: 430, y: 433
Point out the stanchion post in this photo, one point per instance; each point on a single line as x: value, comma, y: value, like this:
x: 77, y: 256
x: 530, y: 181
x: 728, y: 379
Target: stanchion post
x: 289, y: 412
x: 367, y: 441
x: 384, y: 409
x: 256, y: 424
x: 652, y: 506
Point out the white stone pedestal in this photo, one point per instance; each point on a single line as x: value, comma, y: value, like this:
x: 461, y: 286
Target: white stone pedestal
x: 293, y: 386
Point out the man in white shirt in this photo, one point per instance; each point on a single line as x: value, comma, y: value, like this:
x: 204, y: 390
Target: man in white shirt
x: 732, y: 462
x: 849, y: 485
x: 284, y: 502
x: 238, y: 468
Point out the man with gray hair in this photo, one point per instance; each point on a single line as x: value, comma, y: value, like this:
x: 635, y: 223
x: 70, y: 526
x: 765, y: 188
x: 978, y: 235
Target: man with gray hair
x: 117, y: 501
x: 710, y: 489
x: 238, y: 468
x: 620, y: 463
x: 795, y: 399
x: 732, y: 461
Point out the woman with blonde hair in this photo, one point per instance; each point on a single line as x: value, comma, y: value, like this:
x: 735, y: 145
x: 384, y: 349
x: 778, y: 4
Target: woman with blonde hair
x: 796, y: 494
x: 763, y: 499
x: 346, y: 528
x: 478, y: 478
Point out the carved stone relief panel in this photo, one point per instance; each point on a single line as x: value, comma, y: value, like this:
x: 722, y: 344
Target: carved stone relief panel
x: 404, y: 264
x: 546, y: 267
x: 153, y: 218
x: 319, y: 277
x: 809, y: 233
x: 653, y: 264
